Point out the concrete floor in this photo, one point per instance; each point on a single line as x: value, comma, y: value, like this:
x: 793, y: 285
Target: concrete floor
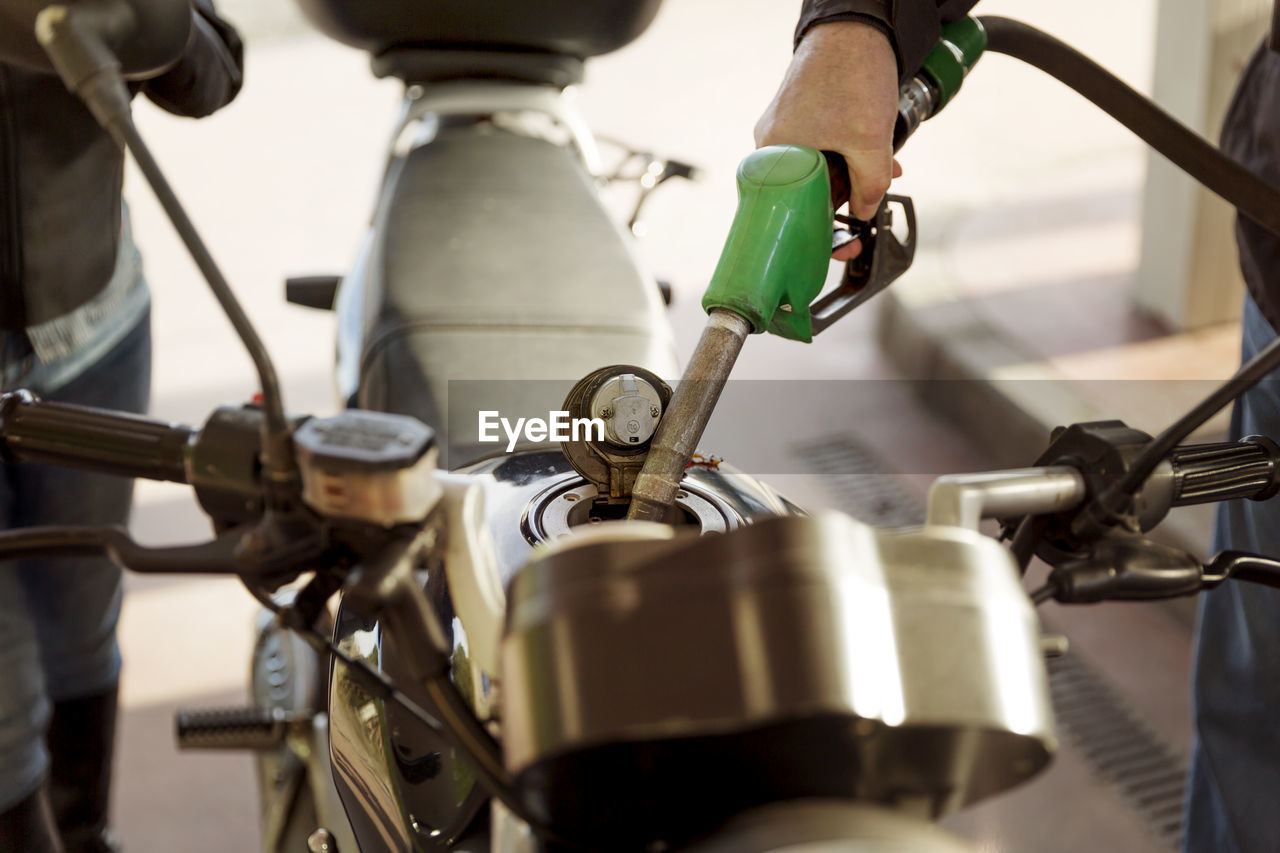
x: 282, y: 182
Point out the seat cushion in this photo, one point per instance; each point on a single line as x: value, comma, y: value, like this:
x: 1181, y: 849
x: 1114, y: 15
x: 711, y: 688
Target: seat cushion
x: 580, y: 28
x: 498, y: 264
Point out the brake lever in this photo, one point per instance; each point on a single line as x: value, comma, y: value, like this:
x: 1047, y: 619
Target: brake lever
x: 1124, y: 567
x: 218, y: 556
x: 1241, y: 566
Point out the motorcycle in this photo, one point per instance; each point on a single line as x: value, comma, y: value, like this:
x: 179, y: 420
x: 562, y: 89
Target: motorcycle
x: 441, y: 300
x: 613, y: 644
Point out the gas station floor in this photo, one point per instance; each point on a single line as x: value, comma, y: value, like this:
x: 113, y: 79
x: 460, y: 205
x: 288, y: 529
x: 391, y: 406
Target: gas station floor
x: 282, y: 183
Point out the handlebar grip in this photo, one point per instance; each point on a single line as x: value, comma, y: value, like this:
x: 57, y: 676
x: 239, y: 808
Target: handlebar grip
x: 32, y: 430
x: 1248, y: 468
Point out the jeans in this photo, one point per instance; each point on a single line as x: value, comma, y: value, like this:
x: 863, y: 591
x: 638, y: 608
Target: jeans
x: 1233, y: 803
x: 58, y: 616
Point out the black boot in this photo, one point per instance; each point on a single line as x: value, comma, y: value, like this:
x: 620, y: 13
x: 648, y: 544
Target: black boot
x: 28, y: 826
x: 80, y: 740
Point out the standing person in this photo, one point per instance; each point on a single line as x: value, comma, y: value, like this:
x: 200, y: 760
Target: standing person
x: 1235, y: 761
x: 74, y: 327
x: 840, y: 94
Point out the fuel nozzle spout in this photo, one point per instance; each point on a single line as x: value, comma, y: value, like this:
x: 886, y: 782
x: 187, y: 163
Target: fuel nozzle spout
x: 686, y: 417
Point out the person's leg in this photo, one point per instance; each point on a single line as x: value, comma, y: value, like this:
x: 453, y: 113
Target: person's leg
x: 1235, y: 770
x: 26, y: 819
x: 24, y: 708
x: 74, y: 603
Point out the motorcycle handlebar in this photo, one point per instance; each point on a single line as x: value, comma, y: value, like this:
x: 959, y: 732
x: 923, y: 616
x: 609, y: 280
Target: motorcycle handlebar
x: 1205, y: 473
x: 32, y: 430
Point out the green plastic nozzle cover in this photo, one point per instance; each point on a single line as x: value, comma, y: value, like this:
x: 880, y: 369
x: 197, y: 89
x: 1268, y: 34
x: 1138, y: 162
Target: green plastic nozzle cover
x: 776, y: 257
x: 953, y: 57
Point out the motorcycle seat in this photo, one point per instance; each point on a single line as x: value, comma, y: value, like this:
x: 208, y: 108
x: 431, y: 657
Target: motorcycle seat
x: 427, y: 65
x: 496, y: 268
x: 567, y: 27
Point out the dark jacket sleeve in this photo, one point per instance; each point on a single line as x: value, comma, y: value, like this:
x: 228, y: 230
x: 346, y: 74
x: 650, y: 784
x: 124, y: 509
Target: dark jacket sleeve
x: 913, y: 26
x: 210, y: 72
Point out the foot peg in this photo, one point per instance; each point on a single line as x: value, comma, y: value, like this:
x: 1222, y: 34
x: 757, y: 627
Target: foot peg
x: 257, y: 729
x: 312, y: 291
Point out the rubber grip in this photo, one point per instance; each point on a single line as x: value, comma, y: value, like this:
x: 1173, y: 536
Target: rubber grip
x: 1205, y: 473
x: 32, y: 430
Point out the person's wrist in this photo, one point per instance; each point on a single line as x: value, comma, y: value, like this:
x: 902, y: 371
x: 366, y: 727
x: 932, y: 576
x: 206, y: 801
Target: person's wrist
x: 850, y: 34
x: 854, y: 31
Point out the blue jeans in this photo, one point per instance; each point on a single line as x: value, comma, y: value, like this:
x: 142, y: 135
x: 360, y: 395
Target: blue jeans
x: 58, y: 616
x: 1233, y: 801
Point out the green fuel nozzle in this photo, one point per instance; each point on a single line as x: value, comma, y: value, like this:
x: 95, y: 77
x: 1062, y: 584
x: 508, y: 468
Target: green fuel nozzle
x: 776, y: 257
x: 775, y: 260
x: 773, y: 266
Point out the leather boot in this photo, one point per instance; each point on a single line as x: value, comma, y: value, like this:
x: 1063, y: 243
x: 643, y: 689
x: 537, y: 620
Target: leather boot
x: 81, y: 738
x: 28, y: 826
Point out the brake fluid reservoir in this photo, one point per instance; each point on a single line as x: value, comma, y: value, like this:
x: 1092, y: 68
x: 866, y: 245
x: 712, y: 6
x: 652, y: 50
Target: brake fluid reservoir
x: 368, y: 466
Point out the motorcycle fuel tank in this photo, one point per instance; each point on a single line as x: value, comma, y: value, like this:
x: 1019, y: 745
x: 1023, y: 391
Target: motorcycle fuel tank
x: 402, y: 785
x: 798, y: 657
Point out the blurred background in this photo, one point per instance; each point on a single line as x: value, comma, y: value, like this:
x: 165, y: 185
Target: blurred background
x: 1063, y: 275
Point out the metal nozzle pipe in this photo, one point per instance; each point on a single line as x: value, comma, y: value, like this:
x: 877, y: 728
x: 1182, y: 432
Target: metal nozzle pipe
x: 686, y: 417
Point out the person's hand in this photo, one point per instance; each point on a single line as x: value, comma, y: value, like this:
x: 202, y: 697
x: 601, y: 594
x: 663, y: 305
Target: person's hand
x: 841, y: 94
x: 210, y: 72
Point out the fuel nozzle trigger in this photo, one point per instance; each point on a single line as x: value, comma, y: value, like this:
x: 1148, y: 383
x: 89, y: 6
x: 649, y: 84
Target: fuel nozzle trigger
x: 882, y: 261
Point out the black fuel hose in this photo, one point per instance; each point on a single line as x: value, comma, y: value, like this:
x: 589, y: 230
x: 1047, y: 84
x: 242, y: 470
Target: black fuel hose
x: 1185, y: 148
x: 1249, y: 194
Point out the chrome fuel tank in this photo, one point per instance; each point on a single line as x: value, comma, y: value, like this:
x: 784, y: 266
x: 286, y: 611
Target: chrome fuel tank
x: 401, y: 785
x: 796, y: 658
x: 651, y: 690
